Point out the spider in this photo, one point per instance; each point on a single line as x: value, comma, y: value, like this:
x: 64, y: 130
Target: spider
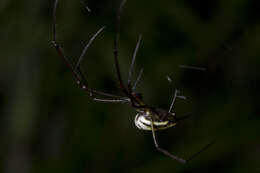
x: 147, y: 117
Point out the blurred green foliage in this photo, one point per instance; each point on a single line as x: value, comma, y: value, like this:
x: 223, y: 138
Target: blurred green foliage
x: 50, y: 125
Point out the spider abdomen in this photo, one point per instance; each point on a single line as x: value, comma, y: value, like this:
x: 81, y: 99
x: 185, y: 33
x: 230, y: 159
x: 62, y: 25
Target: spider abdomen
x: 143, y: 122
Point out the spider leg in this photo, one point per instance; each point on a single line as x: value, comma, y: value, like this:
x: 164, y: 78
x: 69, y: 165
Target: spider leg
x: 192, y: 67
x: 138, y: 79
x: 171, y: 106
x: 165, y: 152
x: 173, y: 100
x: 135, y: 102
x: 77, y: 73
x: 111, y: 100
x: 59, y: 48
x: 175, y: 95
x: 86, y: 7
x: 87, y: 46
x: 200, y: 151
x: 174, y: 157
x: 94, y: 91
x: 124, y: 90
x: 132, y: 63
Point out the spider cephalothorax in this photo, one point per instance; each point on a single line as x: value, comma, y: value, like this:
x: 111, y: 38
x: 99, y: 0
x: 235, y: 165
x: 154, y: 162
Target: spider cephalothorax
x: 147, y: 118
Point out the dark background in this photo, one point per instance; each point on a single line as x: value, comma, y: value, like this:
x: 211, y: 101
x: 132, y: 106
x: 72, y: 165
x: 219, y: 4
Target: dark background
x: 47, y: 124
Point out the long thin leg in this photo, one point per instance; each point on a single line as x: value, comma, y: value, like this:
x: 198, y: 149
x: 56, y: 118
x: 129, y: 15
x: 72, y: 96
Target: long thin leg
x: 173, y: 100
x: 111, y: 100
x: 192, y: 67
x: 175, y: 95
x: 200, y: 151
x: 94, y: 91
x: 134, y: 101
x: 86, y: 7
x: 116, y: 48
x: 87, y: 46
x: 77, y: 76
x: 138, y: 79
x: 132, y: 63
x: 171, y: 106
x: 165, y: 152
x: 108, y: 100
x: 58, y: 47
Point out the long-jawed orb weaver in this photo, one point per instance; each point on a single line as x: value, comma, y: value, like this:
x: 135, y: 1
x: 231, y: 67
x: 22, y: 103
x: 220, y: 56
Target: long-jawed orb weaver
x: 148, y: 117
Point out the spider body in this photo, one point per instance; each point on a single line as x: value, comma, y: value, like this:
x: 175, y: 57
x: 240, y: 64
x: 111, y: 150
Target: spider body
x: 144, y: 118
x: 147, y: 118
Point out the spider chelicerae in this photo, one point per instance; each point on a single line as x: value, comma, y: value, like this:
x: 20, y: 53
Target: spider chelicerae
x: 147, y: 117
